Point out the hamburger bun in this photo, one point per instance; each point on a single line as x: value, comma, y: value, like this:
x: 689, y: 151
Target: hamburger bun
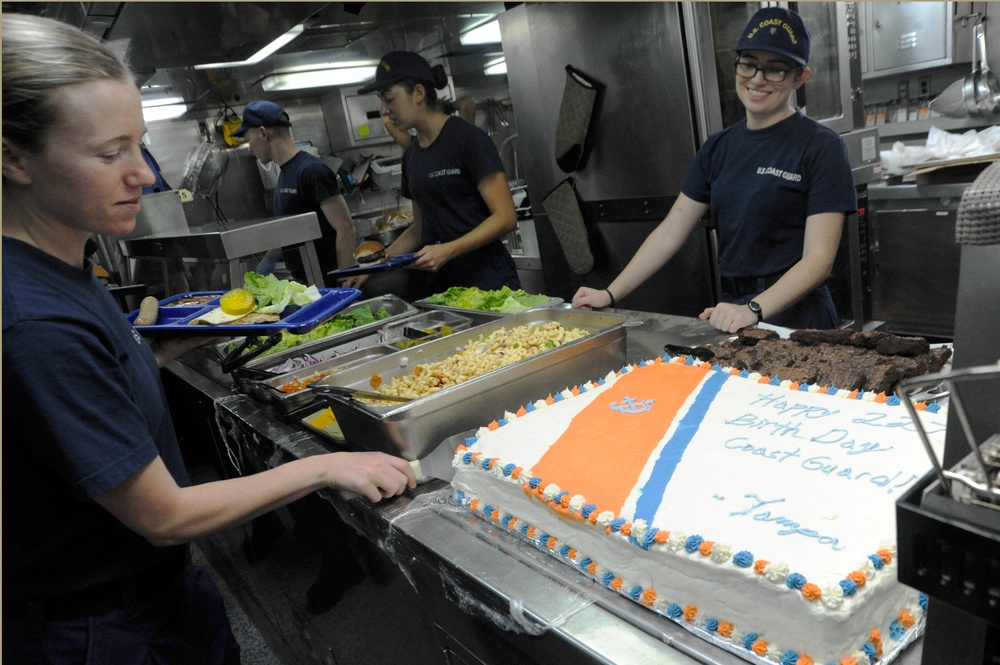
x: 369, y: 251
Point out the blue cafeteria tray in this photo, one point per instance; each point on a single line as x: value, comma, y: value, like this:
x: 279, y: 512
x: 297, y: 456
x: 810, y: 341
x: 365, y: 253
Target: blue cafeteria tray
x: 175, y: 320
x: 378, y: 266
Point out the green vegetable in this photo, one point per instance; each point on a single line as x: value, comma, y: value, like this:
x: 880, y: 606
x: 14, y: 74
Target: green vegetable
x: 504, y: 300
x: 273, y: 294
x: 355, y: 318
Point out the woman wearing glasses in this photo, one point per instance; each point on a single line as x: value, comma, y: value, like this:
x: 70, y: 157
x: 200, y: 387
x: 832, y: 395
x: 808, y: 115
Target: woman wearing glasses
x: 778, y: 185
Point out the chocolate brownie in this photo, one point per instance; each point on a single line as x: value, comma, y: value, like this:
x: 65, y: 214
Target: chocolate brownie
x: 873, y: 361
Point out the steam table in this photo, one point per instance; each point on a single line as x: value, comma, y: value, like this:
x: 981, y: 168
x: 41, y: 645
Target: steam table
x: 487, y: 597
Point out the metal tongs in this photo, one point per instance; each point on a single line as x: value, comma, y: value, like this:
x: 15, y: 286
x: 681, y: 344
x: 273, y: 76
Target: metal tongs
x: 984, y: 456
x: 354, y: 393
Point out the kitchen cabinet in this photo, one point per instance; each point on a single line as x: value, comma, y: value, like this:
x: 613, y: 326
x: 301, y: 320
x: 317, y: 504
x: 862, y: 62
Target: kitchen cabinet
x: 915, y: 258
x: 905, y: 36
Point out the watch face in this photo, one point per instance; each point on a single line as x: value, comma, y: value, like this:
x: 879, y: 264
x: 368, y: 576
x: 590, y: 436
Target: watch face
x: 754, y: 307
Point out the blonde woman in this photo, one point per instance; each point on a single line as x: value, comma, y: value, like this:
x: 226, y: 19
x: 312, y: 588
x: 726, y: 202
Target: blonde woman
x: 98, y: 507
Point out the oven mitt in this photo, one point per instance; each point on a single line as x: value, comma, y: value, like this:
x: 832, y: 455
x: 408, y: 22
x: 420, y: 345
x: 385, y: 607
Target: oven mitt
x: 579, y: 98
x: 563, y: 210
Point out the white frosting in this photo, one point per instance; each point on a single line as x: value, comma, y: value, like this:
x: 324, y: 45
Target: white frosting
x: 804, y: 481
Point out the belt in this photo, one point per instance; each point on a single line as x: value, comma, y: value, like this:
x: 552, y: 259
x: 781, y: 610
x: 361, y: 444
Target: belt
x: 131, y: 594
x: 742, y: 286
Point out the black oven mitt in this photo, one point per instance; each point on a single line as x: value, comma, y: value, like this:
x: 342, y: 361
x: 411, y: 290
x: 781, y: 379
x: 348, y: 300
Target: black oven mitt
x: 563, y: 209
x: 575, y: 116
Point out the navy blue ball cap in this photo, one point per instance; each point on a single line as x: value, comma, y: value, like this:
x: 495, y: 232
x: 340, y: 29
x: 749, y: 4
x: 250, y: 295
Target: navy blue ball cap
x: 776, y: 30
x: 262, y: 114
x: 398, y: 66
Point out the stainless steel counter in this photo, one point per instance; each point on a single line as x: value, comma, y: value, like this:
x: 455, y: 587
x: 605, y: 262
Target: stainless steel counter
x: 491, y: 597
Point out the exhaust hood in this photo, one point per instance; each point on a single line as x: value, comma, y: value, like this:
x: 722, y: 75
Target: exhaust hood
x: 164, y: 41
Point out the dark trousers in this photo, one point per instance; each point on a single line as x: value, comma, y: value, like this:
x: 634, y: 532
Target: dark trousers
x: 185, y: 624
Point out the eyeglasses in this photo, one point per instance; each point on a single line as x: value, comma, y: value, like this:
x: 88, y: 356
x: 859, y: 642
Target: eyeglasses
x: 772, y: 74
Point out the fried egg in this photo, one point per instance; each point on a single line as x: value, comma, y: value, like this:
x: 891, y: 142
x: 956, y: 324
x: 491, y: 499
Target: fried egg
x: 216, y: 317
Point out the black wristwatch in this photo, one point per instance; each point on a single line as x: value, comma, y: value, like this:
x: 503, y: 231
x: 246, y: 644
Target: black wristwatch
x: 755, y: 308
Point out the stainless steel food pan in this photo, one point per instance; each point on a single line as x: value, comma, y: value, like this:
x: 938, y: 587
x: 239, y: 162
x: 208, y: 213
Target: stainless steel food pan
x: 424, y: 327
x: 414, y: 428
x: 269, y: 390
x: 398, y: 309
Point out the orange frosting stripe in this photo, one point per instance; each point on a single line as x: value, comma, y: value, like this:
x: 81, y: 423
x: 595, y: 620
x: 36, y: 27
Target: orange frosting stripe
x: 647, y: 597
x: 885, y: 555
x: 495, y: 515
x: 580, y: 457
x: 906, y: 619
x: 516, y: 473
x: 493, y: 426
x: 575, y: 391
x: 461, y: 448
x: 725, y: 628
x: 550, y: 544
x: 759, y: 565
x: 706, y: 547
x: 661, y: 537
x: 850, y: 660
x: 474, y: 504
x: 616, y: 584
x: 811, y: 591
x: 881, y: 398
x: 794, y: 386
x: 531, y: 532
x: 920, y: 406
x: 592, y: 568
x: 804, y: 659
x: 853, y: 395
x: 550, y: 400
x: 764, y: 379
x: 857, y: 577
x: 759, y: 647
x: 690, y: 612
x: 571, y: 555
x: 520, y: 413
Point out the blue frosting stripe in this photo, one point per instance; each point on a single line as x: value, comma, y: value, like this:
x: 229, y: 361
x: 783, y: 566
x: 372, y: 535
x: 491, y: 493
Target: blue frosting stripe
x: 652, y: 492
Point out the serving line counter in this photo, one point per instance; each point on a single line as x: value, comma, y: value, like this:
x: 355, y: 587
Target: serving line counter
x: 485, y: 596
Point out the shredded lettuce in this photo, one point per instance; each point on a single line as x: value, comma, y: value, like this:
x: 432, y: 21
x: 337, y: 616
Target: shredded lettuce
x: 274, y: 295
x: 355, y: 318
x: 504, y: 300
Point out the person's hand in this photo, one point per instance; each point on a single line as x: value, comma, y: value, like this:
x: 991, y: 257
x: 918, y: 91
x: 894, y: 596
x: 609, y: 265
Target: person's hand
x: 374, y: 476
x: 354, y: 282
x: 729, y: 317
x: 432, y: 257
x: 167, y: 348
x: 587, y: 298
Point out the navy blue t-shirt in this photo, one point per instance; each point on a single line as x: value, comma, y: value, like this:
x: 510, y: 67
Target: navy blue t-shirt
x: 762, y: 184
x: 443, y: 180
x: 85, y: 409
x: 304, y: 182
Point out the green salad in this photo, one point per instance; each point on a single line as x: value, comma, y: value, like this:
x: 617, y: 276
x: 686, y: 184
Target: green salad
x: 504, y: 300
x: 355, y: 318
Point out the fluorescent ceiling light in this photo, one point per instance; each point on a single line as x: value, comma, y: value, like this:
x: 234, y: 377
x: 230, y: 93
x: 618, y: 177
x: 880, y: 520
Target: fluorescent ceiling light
x: 498, y: 67
x: 317, y: 78
x: 261, y: 54
x: 165, y: 112
x: 161, y: 101
x: 487, y: 33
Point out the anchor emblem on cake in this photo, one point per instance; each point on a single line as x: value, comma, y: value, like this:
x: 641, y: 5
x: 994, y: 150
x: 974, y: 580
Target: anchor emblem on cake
x: 630, y: 405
